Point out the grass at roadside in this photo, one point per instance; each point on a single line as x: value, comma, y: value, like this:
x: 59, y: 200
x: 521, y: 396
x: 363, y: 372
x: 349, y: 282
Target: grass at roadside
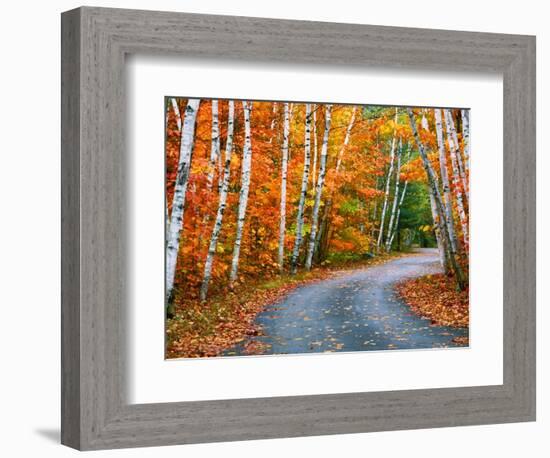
x: 206, y: 329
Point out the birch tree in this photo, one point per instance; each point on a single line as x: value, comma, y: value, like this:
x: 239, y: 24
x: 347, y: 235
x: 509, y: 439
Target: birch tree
x: 451, y: 131
x: 465, y: 114
x: 273, y: 121
x: 319, y: 188
x: 396, y: 224
x: 284, y: 165
x: 303, y: 192
x: 395, y: 199
x: 243, y: 194
x: 176, y: 109
x: 456, y: 178
x: 387, y: 190
x: 346, y: 140
x: 434, y: 189
x: 215, y: 154
x: 178, y: 203
x: 221, y: 204
x: 445, y: 179
x: 174, y: 105
x: 328, y: 205
x: 438, y: 233
x: 315, y: 150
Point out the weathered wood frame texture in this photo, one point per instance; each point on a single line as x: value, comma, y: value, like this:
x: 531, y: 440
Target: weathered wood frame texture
x: 95, y: 41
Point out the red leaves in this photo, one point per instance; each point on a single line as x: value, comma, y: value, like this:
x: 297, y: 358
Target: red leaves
x: 436, y: 297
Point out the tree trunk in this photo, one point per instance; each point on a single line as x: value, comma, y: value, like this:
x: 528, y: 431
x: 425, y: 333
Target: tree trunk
x: 178, y: 203
x: 319, y: 188
x: 176, y: 109
x: 222, y: 203
x: 387, y: 191
x: 396, y: 225
x: 303, y: 192
x: 466, y: 138
x: 314, y: 169
x: 445, y: 179
x: 324, y: 224
x: 215, y: 146
x: 174, y: 104
x: 440, y: 239
x: 346, y: 140
x: 433, y: 182
x: 451, y: 131
x: 273, y: 120
x: 282, y: 217
x: 395, y: 199
x: 245, y: 186
x: 457, y: 180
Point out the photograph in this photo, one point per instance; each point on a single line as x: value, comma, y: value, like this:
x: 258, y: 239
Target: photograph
x: 296, y: 227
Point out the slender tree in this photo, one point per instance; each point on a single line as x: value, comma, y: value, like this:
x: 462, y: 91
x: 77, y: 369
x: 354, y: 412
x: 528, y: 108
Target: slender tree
x: 434, y: 188
x: 325, y: 218
x: 284, y: 165
x: 451, y: 131
x: 178, y: 203
x: 346, y: 140
x: 176, y: 109
x: 215, y: 154
x: 440, y: 239
x: 395, y: 197
x: 315, y: 150
x: 221, y: 204
x: 466, y: 137
x: 457, y: 182
x: 319, y: 188
x: 396, y: 225
x: 174, y: 105
x: 387, y: 190
x: 245, y: 186
x: 445, y: 179
x: 303, y: 192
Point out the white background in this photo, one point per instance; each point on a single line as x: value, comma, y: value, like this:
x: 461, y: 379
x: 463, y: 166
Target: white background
x: 150, y: 79
x: 29, y: 234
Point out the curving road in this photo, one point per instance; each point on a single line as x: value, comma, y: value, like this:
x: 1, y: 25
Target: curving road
x: 357, y: 310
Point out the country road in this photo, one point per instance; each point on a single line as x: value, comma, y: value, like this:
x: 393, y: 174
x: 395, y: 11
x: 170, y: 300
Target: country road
x: 353, y: 311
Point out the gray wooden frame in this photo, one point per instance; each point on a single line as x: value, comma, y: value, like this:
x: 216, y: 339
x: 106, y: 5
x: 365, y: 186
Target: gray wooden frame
x: 95, y: 413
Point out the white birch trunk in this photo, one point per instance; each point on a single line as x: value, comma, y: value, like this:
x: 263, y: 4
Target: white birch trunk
x: 396, y: 225
x: 387, y: 190
x: 284, y: 165
x: 177, y: 112
x: 245, y: 186
x: 314, y: 168
x: 215, y: 146
x: 445, y: 179
x: 456, y: 180
x: 450, y: 124
x: 434, y: 188
x: 395, y: 199
x: 221, y: 205
x: 303, y: 191
x: 466, y: 138
x: 274, y: 112
x: 328, y: 203
x: 273, y: 119
x: 319, y: 189
x: 178, y: 204
x: 174, y: 104
x: 437, y: 230
x: 346, y: 140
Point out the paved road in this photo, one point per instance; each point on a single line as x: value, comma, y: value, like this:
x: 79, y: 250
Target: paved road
x: 358, y: 310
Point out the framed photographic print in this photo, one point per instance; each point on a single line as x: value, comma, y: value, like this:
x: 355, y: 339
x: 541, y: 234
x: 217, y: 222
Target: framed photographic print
x: 287, y: 228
